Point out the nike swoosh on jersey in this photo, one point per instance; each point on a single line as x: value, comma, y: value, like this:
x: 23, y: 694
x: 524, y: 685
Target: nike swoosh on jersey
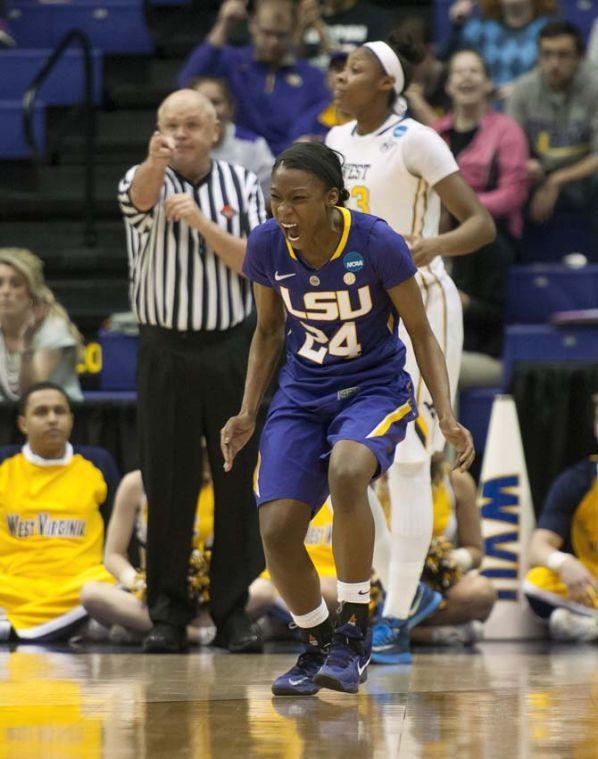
x: 299, y: 680
x: 278, y: 276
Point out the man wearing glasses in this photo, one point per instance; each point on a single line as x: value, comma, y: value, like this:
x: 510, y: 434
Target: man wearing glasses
x: 270, y: 87
x: 557, y: 107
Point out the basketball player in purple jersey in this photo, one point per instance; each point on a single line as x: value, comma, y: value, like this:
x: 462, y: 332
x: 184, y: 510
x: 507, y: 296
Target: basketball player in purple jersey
x: 333, y: 282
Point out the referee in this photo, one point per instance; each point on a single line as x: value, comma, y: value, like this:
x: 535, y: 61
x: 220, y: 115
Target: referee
x: 187, y: 218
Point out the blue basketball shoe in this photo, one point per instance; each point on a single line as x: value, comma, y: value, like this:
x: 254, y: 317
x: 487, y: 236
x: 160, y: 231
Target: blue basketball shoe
x: 346, y: 664
x: 299, y: 680
x: 390, y: 643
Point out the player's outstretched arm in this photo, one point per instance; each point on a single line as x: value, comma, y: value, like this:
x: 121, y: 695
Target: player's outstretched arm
x: 407, y: 300
x: 265, y: 349
x: 149, y: 176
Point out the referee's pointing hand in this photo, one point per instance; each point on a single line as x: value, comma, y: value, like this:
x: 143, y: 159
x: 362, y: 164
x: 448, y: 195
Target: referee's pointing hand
x: 161, y: 147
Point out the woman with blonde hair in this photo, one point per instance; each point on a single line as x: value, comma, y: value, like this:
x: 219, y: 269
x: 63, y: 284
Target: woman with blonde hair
x: 504, y: 32
x: 38, y: 341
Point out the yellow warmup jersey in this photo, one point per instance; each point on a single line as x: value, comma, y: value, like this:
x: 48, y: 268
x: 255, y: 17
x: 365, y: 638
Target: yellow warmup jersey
x: 50, y: 523
x: 318, y: 542
x: 584, y: 530
x: 571, y: 511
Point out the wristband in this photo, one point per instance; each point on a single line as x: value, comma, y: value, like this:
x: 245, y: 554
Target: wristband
x: 556, y: 560
x: 462, y: 558
x: 127, y: 577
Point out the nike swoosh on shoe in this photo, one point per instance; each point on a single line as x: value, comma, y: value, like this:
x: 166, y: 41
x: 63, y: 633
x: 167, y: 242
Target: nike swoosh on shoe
x: 298, y: 681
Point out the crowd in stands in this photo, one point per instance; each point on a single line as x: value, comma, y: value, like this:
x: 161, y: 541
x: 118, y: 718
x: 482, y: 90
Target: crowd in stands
x: 38, y: 341
x: 513, y: 94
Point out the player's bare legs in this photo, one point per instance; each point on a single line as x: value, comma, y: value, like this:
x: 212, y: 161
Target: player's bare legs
x: 352, y: 466
x: 283, y: 525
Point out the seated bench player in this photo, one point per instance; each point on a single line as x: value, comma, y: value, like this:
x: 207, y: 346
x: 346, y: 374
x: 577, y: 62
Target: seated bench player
x: 51, y: 528
x: 123, y: 608
x: 562, y: 586
x: 454, y: 556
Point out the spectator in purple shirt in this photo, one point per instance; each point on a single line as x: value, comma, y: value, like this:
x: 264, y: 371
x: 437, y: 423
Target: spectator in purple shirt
x: 270, y: 87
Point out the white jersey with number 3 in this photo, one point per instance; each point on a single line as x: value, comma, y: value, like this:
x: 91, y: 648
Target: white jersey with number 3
x: 391, y: 173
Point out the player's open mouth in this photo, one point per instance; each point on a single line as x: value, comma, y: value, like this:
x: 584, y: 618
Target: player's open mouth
x: 291, y: 231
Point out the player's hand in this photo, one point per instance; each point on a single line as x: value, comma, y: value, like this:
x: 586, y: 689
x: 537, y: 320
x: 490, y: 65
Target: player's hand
x: 543, y: 202
x: 182, y: 207
x: 459, y: 437
x: 234, y: 435
x: 139, y: 585
x: 423, y: 250
x: 232, y: 11
x: 160, y: 149
x: 582, y: 585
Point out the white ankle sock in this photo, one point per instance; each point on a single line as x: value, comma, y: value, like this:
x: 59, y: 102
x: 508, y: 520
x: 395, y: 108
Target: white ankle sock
x: 411, y: 532
x: 312, y: 618
x: 353, y: 592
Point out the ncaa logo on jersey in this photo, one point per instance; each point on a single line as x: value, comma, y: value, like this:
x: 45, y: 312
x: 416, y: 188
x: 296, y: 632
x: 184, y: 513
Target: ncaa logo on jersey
x: 399, y: 130
x: 353, y: 261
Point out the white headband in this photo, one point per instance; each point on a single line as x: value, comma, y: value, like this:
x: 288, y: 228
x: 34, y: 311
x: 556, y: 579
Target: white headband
x: 390, y: 62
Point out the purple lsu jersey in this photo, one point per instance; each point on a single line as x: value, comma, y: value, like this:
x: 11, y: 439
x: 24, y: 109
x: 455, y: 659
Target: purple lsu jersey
x: 340, y: 332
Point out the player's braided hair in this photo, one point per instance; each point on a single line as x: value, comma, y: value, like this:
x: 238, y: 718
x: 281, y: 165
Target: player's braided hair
x: 317, y: 159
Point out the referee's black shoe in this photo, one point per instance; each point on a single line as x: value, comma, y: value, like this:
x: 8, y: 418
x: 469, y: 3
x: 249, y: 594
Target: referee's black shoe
x: 165, y: 639
x: 240, y: 635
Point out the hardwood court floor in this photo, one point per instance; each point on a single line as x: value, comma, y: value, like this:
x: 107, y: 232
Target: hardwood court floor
x: 500, y: 700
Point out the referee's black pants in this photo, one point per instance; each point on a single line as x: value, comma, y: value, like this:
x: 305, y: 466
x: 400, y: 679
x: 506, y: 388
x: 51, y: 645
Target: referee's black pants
x: 189, y: 384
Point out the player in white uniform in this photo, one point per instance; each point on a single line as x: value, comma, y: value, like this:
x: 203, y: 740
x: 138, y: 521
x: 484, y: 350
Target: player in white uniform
x: 400, y: 170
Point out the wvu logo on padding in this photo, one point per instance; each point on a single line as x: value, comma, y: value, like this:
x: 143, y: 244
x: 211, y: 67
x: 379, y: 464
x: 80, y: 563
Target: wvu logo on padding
x: 500, y: 511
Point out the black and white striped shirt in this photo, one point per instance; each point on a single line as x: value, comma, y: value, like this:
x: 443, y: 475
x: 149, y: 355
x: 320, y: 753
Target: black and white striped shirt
x: 176, y: 280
